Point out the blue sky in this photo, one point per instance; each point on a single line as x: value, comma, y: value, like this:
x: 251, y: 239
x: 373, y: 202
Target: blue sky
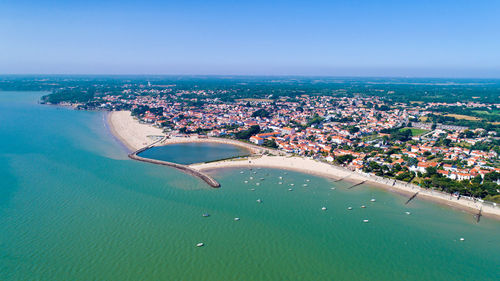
x: 339, y: 38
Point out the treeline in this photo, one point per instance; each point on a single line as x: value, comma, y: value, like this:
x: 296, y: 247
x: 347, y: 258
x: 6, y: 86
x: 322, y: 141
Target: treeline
x: 70, y: 96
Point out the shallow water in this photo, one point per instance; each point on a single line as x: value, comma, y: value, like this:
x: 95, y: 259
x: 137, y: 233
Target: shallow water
x: 73, y: 207
x: 190, y: 153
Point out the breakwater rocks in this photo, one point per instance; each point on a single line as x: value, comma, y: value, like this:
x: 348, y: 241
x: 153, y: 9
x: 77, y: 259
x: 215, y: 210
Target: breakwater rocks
x: 186, y: 169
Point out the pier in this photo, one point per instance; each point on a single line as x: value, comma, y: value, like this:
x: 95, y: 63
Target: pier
x: 411, y: 198
x: 478, y: 216
x: 341, y: 179
x: 360, y: 183
x: 186, y: 169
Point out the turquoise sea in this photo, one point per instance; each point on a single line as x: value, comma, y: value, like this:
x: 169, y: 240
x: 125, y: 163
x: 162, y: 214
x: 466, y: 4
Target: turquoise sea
x: 74, y: 207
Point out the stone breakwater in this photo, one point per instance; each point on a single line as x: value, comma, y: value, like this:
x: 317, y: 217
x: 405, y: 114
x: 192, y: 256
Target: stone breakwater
x: 186, y: 169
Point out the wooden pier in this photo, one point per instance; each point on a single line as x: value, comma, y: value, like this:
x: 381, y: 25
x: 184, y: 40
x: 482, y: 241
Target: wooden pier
x: 360, y: 183
x: 411, y: 198
x: 478, y: 216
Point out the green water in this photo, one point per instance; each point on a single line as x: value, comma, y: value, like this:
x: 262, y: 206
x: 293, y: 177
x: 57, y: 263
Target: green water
x: 73, y: 207
x: 194, y: 152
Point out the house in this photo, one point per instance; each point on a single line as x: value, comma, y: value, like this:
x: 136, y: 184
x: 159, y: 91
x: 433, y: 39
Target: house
x: 257, y: 140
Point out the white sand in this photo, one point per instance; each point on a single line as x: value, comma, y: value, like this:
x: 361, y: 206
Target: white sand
x: 310, y: 166
x: 130, y: 132
x: 136, y: 135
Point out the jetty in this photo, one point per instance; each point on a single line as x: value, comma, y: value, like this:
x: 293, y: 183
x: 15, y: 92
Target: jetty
x: 359, y: 183
x: 186, y: 169
x: 411, y: 198
x: 341, y: 179
x: 478, y: 216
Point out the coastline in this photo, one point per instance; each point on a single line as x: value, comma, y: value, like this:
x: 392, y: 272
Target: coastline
x: 318, y: 168
x: 135, y: 136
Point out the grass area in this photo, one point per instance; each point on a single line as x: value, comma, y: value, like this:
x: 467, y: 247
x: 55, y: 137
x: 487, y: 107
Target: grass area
x: 414, y: 131
x: 256, y: 100
x: 464, y: 117
x: 484, y: 112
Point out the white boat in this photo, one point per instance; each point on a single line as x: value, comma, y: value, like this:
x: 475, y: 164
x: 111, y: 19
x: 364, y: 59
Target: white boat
x: 280, y: 183
x: 257, y: 184
x: 323, y: 208
x: 373, y: 200
x: 259, y: 201
x: 251, y: 178
x: 241, y: 172
x: 307, y: 180
x: 407, y: 213
x: 206, y: 215
x: 290, y: 189
x: 236, y: 219
x: 365, y: 220
x: 246, y: 181
x: 281, y: 178
x: 363, y: 206
x: 462, y: 239
x: 292, y: 184
x: 252, y: 189
x: 305, y: 184
x: 349, y: 208
x: 200, y: 245
x: 333, y: 188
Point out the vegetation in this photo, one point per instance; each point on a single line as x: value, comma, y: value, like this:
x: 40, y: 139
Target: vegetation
x: 246, y: 134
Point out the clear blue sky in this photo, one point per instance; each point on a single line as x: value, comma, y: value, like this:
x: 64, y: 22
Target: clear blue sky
x: 436, y: 38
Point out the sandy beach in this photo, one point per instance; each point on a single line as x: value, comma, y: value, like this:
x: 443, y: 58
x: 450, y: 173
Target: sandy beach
x: 136, y: 135
x: 130, y: 132
x: 310, y: 166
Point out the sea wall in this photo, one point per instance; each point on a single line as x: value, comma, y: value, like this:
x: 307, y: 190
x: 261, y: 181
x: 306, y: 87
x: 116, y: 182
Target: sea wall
x: 186, y: 169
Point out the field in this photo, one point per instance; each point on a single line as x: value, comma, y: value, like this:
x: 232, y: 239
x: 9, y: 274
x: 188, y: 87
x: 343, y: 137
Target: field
x: 464, y: 117
x: 415, y: 131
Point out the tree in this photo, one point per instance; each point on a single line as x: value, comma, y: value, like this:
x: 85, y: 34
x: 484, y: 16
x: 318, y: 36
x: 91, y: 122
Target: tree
x: 246, y: 134
x: 430, y: 171
x: 343, y: 159
x: 261, y: 113
x: 270, y: 143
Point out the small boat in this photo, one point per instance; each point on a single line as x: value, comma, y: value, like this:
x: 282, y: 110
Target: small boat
x: 251, y: 178
x: 363, y: 206
x: 200, y: 245
x: 292, y: 184
x: 255, y: 172
x: 307, y: 180
x: 252, y: 189
x: 257, y: 184
x: 462, y: 239
x: 407, y: 213
x: 281, y: 178
x: 373, y: 200
x: 236, y: 219
x: 305, y: 184
x: 333, y: 188
x: 259, y: 201
x: 349, y: 208
x: 365, y: 220
x: 246, y: 181
x: 262, y: 179
x: 280, y: 183
x: 323, y: 208
x: 290, y: 189
x: 206, y: 215
x: 241, y: 172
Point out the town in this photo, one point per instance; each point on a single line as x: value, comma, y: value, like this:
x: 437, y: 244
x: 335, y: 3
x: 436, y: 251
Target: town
x: 369, y: 134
